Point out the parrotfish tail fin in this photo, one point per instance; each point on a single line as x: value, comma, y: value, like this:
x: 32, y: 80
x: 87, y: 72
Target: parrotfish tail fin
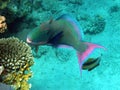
x: 82, y: 56
x: 80, y: 62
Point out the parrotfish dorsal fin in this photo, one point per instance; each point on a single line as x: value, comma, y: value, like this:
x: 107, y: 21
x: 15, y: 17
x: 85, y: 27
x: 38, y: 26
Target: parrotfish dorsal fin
x: 75, y: 24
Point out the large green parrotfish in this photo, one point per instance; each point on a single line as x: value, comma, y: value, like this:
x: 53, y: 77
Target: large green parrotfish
x: 66, y: 31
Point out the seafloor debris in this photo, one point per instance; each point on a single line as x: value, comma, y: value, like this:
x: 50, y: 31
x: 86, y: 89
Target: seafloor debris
x: 16, y: 58
x: 3, y: 25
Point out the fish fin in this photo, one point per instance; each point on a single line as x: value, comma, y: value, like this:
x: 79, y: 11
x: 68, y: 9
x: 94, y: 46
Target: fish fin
x: 54, y: 40
x: 36, y: 48
x: 74, y: 23
x: 82, y: 56
x: 80, y: 62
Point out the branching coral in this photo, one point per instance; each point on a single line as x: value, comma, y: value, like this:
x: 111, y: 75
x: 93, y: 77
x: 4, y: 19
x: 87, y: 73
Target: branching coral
x: 3, y: 25
x: 16, y: 58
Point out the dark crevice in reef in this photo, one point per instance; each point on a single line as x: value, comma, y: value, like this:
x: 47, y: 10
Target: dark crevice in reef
x: 13, y: 27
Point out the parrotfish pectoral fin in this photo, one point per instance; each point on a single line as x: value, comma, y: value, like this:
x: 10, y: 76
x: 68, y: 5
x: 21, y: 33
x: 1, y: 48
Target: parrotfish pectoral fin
x: 55, y: 40
x: 82, y: 56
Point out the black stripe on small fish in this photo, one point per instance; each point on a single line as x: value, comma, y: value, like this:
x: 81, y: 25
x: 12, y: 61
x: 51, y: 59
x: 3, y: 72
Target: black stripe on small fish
x: 90, y: 61
x: 91, y: 64
x: 93, y: 67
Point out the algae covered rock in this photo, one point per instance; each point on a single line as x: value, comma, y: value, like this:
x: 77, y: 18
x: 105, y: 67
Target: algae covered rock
x: 92, y: 24
x: 97, y: 25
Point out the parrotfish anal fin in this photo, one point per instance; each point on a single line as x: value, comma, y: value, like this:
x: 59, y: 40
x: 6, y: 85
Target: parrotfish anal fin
x: 82, y: 56
x: 55, y: 39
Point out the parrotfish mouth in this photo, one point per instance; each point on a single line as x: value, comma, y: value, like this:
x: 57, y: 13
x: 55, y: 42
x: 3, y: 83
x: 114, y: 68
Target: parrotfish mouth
x: 35, y: 43
x: 28, y: 40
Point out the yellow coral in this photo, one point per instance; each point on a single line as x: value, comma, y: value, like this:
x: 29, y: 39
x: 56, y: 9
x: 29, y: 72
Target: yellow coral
x: 16, y: 57
x: 3, y: 25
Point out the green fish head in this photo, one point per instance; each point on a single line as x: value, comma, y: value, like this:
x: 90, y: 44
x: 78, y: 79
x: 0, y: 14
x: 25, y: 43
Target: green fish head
x: 39, y: 36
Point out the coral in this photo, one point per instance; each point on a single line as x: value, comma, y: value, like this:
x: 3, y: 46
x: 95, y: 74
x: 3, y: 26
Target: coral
x: 92, y: 25
x: 114, y: 8
x: 3, y: 3
x: 16, y: 58
x: 3, y: 25
x: 96, y: 26
x: 47, y: 5
x: 16, y: 9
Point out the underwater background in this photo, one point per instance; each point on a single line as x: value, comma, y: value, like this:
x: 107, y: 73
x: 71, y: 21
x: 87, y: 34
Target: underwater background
x: 58, y: 68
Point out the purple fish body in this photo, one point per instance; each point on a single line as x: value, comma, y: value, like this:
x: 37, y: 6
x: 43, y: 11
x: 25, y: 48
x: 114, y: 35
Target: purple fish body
x: 65, y: 30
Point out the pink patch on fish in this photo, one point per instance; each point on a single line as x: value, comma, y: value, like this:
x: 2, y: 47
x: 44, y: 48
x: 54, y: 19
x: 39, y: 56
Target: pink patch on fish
x: 75, y: 25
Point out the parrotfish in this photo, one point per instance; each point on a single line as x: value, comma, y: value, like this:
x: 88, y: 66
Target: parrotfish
x: 65, y: 30
x: 91, y: 63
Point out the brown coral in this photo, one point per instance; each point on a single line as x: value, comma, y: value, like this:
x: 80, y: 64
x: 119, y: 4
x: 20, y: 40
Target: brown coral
x: 16, y: 58
x: 3, y: 25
